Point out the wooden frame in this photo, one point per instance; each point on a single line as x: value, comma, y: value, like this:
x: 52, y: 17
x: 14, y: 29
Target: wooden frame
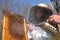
x: 10, y: 31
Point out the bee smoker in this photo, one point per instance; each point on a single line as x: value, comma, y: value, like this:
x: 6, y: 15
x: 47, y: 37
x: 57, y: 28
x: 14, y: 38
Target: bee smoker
x: 48, y: 28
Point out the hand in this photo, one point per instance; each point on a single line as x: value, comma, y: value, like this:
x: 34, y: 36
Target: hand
x: 54, y: 18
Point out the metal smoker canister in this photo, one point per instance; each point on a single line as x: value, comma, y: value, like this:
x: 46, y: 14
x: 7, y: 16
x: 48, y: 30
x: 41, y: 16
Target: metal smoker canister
x: 50, y: 28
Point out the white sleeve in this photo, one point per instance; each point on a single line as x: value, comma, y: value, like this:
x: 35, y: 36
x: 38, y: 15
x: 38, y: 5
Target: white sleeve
x: 38, y: 35
x: 29, y: 36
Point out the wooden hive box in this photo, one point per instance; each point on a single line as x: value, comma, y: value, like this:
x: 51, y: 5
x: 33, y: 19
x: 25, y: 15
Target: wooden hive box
x: 14, y: 27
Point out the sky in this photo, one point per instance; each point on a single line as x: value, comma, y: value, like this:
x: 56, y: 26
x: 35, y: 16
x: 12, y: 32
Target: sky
x: 21, y: 2
x: 31, y: 2
x: 35, y: 2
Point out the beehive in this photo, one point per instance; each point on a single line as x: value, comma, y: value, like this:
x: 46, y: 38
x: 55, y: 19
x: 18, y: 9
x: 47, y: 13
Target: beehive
x: 14, y: 27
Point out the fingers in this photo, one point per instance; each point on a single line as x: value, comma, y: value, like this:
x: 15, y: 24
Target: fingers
x: 51, y: 18
x: 54, y: 18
